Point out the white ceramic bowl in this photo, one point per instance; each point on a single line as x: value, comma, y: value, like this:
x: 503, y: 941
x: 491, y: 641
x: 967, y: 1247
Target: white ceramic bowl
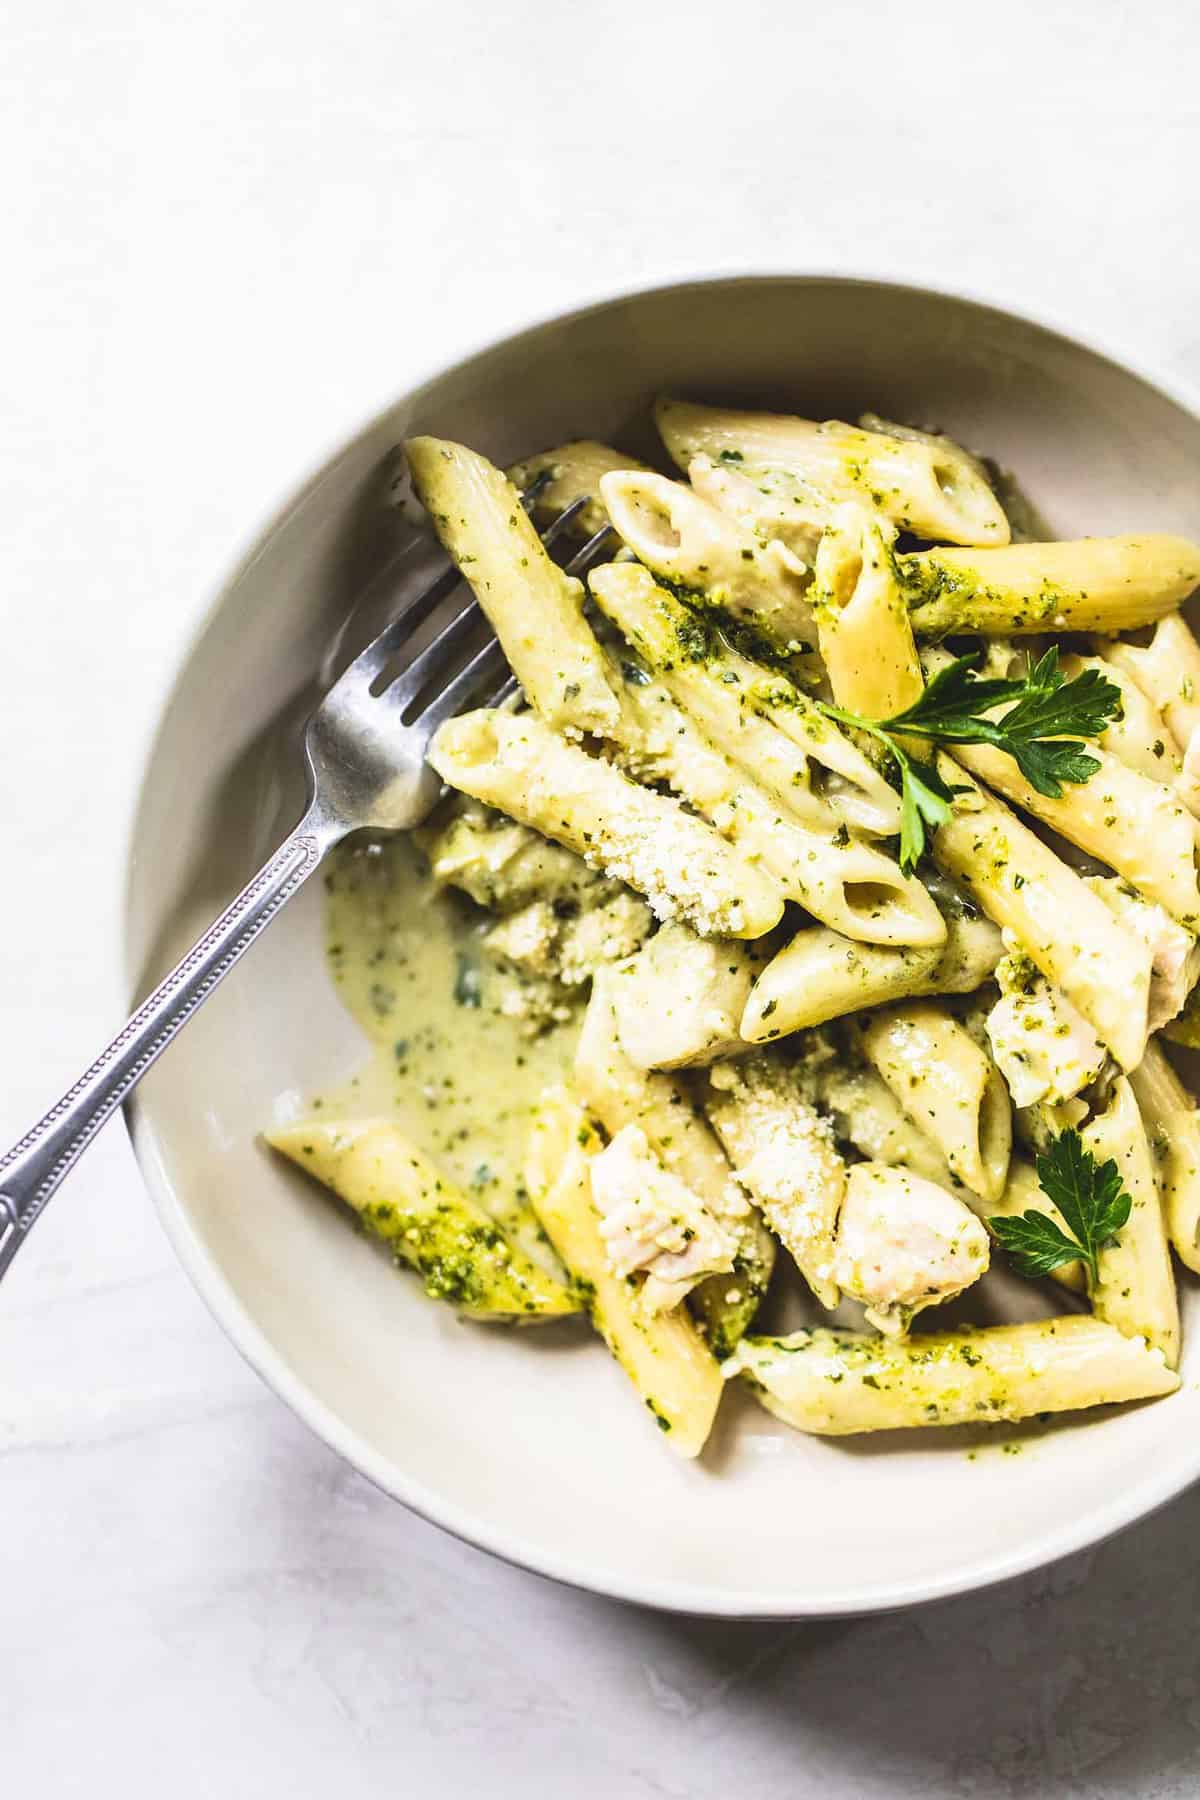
x: 531, y: 1444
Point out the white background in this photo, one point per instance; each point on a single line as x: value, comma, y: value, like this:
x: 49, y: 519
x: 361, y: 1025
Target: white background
x: 230, y: 232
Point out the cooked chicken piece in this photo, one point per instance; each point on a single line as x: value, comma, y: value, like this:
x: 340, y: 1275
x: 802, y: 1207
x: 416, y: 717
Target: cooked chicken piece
x: 651, y: 1222
x: 903, y: 1244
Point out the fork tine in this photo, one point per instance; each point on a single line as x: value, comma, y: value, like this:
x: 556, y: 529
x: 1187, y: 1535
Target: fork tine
x: 587, y: 554
x: 368, y: 663
x: 482, y: 669
x: 436, y: 655
x: 562, y: 522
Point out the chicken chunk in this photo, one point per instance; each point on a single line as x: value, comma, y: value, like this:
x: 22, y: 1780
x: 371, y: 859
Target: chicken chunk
x: 651, y: 1222
x: 904, y: 1243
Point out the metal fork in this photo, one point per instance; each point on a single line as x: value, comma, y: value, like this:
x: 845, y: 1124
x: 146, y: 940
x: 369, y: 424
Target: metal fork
x: 364, y: 753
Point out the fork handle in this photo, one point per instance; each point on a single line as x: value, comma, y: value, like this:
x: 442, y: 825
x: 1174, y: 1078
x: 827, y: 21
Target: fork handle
x: 32, y: 1170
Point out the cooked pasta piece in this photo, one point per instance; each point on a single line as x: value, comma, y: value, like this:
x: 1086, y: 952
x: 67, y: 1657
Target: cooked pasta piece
x: 535, y: 610
x: 853, y: 886
x: 863, y: 625
x: 1135, y: 826
x: 1090, y: 584
x: 688, y: 543
x: 569, y: 473
x: 1172, y: 1125
x: 918, y: 486
x: 947, y: 1086
x: 865, y: 1113
x: 1136, y: 1286
x: 821, y: 975
x: 1043, y: 1047
x: 783, y: 1154
x: 680, y: 1000
x: 683, y: 867
x: 1140, y: 736
x: 1167, y: 670
x: 653, y: 1225
x: 903, y: 1244
x: 427, y: 1222
x: 767, y: 505
x: 1174, y: 952
x: 663, y: 1354
x: 1068, y: 931
x: 837, y: 1382
x: 764, y: 723
x: 617, y: 1093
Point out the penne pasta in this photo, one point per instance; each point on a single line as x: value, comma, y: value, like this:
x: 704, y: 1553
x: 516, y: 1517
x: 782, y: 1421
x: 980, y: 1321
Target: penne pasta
x: 863, y: 625
x: 1136, y: 1286
x: 428, y: 1223
x: 821, y: 975
x: 569, y: 473
x: 683, y: 867
x: 948, y: 1088
x: 1167, y: 670
x: 689, y: 544
x: 1135, y: 826
x: 837, y: 1382
x: 848, y: 884
x: 1065, y: 929
x: 865, y: 1113
x: 761, y: 722
x: 680, y: 1000
x: 1090, y: 584
x: 1140, y: 737
x: 617, y: 1093
x: 672, y: 1369
x: 1172, y: 1125
x: 534, y: 609
x: 783, y: 1154
x: 917, y: 485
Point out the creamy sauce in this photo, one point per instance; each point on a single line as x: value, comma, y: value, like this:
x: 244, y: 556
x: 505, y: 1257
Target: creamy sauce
x: 455, y: 1073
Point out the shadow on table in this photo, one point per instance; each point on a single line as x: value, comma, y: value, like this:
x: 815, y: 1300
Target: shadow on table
x: 1083, y: 1678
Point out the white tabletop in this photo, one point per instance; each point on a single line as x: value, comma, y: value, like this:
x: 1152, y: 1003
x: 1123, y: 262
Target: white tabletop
x: 239, y: 229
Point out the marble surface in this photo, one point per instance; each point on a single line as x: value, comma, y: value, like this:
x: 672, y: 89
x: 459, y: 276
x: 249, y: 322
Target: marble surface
x: 231, y: 233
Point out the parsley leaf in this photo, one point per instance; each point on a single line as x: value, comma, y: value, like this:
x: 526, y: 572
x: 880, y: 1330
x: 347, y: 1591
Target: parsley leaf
x: 1036, y: 732
x: 1092, y: 1200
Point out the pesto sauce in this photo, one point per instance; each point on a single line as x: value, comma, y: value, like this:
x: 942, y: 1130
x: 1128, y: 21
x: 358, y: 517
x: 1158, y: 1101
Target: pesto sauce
x: 455, y: 1073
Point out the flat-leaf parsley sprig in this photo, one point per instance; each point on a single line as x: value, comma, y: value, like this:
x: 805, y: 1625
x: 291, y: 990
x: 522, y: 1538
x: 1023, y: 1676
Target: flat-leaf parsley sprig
x: 1047, y: 718
x: 1094, y: 1205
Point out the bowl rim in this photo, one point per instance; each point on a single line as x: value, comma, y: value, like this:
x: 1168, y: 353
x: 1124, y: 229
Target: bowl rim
x: 1133, y: 1504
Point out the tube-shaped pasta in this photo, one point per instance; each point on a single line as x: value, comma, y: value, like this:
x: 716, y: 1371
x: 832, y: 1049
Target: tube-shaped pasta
x: 568, y: 473
x: 1136, y: 1286
x: 1060, y: 924
x: 679, y: 1001
x: 1140, y: 737
x: 1023, y: 1193
x: 868, y: 1115
x: 618, y: 1093
x: 1172, y: 1125
x: 535, y: 610
x: 918, y: 486
x: 767, y: 505
x: 863, y: 626
x: 948, y: 1087
x: 687, y: 542
x: 1136, y: 826
x: 762, y: 722
x: 837, y: 1382
x: 427, y: 1222
x: 821, y: 975
x: 1088, y: 584
x: 1167, y: 670
x: 783, y: 1154
x: 849, y: 885
x: 682, y: 866
x: 663, y: 1354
